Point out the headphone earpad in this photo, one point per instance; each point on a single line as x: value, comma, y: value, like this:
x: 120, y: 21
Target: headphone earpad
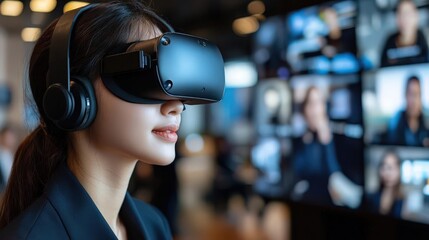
x: 58, y: 103
x: 71, y: 110
x: 85, y: 104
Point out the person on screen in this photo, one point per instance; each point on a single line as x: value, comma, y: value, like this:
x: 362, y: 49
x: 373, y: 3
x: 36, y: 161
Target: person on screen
x: 336, y: 50
x: 337, y: 40
x: 407, y: 127
x: 408, y: 45
x: 388, y: 200
x: 315, y: 158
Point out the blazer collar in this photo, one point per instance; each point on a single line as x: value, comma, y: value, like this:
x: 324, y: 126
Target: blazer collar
x: 80, y: 215
x: 133, y: 221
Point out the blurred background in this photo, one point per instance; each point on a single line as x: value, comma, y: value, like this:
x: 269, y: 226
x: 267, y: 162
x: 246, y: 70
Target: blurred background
x: 322, y: 132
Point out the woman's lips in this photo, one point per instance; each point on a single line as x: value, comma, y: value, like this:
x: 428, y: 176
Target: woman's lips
x: 168, y: 133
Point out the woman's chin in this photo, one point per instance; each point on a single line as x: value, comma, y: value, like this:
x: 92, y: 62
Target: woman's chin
x: 163, y: 159
x: 164, y: 162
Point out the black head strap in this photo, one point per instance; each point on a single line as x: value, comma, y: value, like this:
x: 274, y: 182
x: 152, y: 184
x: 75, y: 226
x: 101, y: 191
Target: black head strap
x: 59, y: 53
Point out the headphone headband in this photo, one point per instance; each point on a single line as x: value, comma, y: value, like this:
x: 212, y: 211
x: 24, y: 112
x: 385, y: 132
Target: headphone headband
x: 59, y: 52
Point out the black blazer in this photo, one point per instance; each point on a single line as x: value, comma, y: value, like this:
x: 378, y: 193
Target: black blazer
x: 66, y: 211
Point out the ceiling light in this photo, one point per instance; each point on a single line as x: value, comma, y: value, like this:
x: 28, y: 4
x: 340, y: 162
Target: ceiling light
x: 43, y: 5
x: 256, y: 7
x: 73, y: 5
x: 30, y: 34
x: 245, y: 25
x: 11, y: 8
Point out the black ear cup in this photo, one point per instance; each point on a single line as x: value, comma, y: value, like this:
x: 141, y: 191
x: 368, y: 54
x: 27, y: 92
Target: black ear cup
x: 71, y: 110
x: 58, y: 103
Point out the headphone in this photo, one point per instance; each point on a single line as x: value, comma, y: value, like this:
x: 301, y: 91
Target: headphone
x: 69, y: 101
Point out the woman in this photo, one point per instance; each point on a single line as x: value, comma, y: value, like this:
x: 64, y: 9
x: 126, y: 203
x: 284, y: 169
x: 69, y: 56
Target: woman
x: 73, y: 185
x: 315, y: 158
x: 388, y: 200
x: 408, y: 45
x: 408, y: 126
x: 337, y: 40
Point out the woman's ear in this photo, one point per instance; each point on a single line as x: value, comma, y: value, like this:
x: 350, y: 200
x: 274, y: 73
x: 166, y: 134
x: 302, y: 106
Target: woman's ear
x: 98, y: 85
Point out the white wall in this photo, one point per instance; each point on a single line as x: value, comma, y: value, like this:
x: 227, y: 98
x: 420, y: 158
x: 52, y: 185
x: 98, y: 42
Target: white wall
x: 3, y: 53
x: 3, y: 43
x: 13, y: 68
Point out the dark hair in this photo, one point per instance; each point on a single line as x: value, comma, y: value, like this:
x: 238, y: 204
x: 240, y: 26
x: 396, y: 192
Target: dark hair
x: 98, y: 31
x: 389, y: 152
x: 411, y: 79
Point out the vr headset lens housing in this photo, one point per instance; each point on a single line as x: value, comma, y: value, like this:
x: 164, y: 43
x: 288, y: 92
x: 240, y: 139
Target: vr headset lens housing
x: 173, y: 66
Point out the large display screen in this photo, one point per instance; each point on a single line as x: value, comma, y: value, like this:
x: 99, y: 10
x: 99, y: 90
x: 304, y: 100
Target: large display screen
x: 342, y: 106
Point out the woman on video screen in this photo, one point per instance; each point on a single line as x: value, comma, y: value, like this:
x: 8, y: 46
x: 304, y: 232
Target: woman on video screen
x: 408, y: 45
x: 388, y: 200
x: 408, y: 126
x: 337, y: 40
x: 315, y: 158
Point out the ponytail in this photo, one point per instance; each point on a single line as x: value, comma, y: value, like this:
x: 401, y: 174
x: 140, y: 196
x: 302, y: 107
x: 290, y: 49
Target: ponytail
x: 35, y: 161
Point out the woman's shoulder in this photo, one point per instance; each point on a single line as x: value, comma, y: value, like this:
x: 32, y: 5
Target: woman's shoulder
x: 35, y: 223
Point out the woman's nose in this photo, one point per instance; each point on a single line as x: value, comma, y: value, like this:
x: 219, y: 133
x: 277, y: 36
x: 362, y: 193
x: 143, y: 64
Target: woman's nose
x: 172, y: 107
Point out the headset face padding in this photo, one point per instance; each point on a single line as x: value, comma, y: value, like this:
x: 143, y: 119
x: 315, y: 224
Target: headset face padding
x: 71, y: 110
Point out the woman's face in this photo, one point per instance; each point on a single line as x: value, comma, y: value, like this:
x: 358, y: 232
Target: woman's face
x: 315, y: 110
x: 407, y: 17
x: 136, y: 131
x: 414, y: 99
x: 147, y: 132
x: 389, y: 171
x: 331, y: 18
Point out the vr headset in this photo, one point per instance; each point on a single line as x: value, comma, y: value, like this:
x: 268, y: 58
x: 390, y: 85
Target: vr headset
x: 171, y: 66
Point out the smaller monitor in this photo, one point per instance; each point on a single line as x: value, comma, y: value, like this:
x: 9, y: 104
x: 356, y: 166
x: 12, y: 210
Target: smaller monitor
x: 326, y: 127
x: 397, y: 182
x: 393, y: 33
x: 322, y: 39
x: 396, y: 106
